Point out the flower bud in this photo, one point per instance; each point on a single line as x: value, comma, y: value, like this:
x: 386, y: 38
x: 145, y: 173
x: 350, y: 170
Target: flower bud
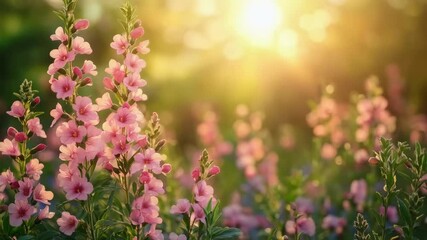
x: 145, y: 177
x: 35, y: 101
x: 373, y: 161
x: 38, y: 148
x: 11, y: 132
x: 21, y: 137
x: 166, y: 168
x: 81, y: 24
x: 155, y: 118
x: 143, y: 142
x: 160, y: 144
x: 137, y: 33
x: 196, y: 174
x: 87, y: 82
x: 214, y: 171
x: 77, y: 72
x: 108, y: 83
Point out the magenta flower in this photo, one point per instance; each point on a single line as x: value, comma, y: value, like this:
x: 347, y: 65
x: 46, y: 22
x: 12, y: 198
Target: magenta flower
x: 34, y: 168
x: 81, y: 47
x: 9, y: 148
x: 85, y: 110
x: 59, y: 35
x: 17, y: 110
x: 203, y: 193
x: 45, y: 214
x: 120, y: 44
x: 20, y: 211
x: 81, y: 24
x: 133, y: 63
x: 303, y: 225
x: 56, y: 113
x: 77, y: 188
x: 124, y: 117
x: 63, y: 86
x: 41, y: 195
x: 61, y: 56
x: 181, y: 206
x: 35, y: 127
x: 67, y: 223
x: 69, y: 132
x: 133, y: 82
x: 149, y: 160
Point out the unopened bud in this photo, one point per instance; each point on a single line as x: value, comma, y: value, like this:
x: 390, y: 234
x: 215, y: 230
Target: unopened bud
x: 142, y: 142
x: 77, y: 72
x: 373, y: 161
x: 214, y: 171
x: 145, y: 177
x: 81, y: 24
x: 35, y: 101
x: 160, y: 145
x: 87, y: 82
x: 108, y: 83
x: 108, y: 167
x: 166, y: 168
x: 137, y: 33
x: 38, y: 148
x: 21, y: 137
x: 11, y: 132
x: 196, y: 174
x: 155, y: 118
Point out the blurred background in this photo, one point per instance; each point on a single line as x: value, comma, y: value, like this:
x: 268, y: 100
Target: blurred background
x: 274, y: 56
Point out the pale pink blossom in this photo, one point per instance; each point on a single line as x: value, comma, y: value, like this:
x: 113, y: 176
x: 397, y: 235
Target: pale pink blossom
x: 155, y: 234
x: 335, y: 223
x: 85, y: 110
x: 137, y: 96
x: 89, y: 68
x: 133, y: 82
x: 69, y: 132
x: 61, y: 56
x: 203, y: 193
x: 303, y: 225
x: 6, y: 178
x: 41, y: 195
x: 52, y: 69
x: 174, y: 236
x: 34, y: 168
x: 149, y: 160
x: 154, y: 187
x: 137, y: 33
x: 108, y: 83
x: 80, y: 46
x: 78, y: 188
x: 199, y: 213
x: 35, y: 126
x: 136, y: 217
x: 45, y: 214
x: 124, y: 117
x: 116, y: 70
x: 120, y: 145
x: 81, y: 24
x: 66, y: 173
x: 120, y: 43
x: 56, y: 113
x: 94, y: 146
x: 143, y: 47
x: 59, y: 35
x: 359, y: 192
x: 17, y: 109
x: 181, y: 206
x: 9, y: 148
x: 20, y: 211
x: 25, y: 189
x: 67, y: 223
x: 133, y: 63
x: 104, y: 102
x: 63, y: 86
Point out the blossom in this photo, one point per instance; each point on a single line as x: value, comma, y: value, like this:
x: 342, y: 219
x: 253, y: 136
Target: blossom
x: 56, y: 113
x: 20, y: 211
x: 77, y: 188
x: 10, y: 148
x: 143, y: 47
x: 174, y: 236
x: 137, y: 33
x: 44, y: 213
x: 199, y: 213
x: 41, y: 195
x: 34, y: 168
x: 333, y: 222
x: 149, y: 160
x: 136, y: 217
x: 66, y: 173
x: 61, y: 56
x: 133, y: 82
x: 35, y: 127
x: 6, y: 178
x: 59, y: 35
x: 203, y: 193
x: 85, y: 110
x: 124, y: 117
x: 17, y: 109
x: 133, y: 63
x: 104, y: 102
x: 154, y: 187
x: 89, y: 68
x: 359, y: 191
x: 120, y: 44
x: 67, y: 223
x: 303, y: 224
x: 81, y: 24
x: 116, y: 70
x: 25, y: 189
x: 63, y: 86
x: 69, y: 132
x: 181, y: 206
x: 81, y: 47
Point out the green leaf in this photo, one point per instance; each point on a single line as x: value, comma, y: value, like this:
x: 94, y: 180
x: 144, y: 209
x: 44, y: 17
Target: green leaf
x: 404, y: 212
x: 225, y: 233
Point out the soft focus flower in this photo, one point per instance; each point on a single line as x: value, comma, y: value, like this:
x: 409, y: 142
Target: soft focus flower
x: 34, y: 168
x: 56, y: 113
x: 133, y: 63
x: 10, y: 148
x: 203, y: 193
x: 359, y: 192
x: 6, y: 178
x: 333, y: 222
x: 174, y: 236
x: 81, y: 24
x: 137, y: 33
x: 303, y: 225
x: 181, y: 206
x: 67, y: 223
x: 199, y: 213
x: 17, y: 110
x: 59, y: 35
x: 20, y: 211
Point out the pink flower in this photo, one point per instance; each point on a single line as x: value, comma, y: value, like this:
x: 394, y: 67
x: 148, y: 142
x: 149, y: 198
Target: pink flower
x: 328, y: 151
x: 166, y: 168
x: 143, y: 47
x: 333, y: 222
x: 41, y: 195
x: 59, y: 35
x: 17, y: 110
x: 303, y: 225
x: 124, y: 117
x: 154, y: 187
x: 104, y: 102
x: 304, y: 205
x: 174, y: 236
x: 9, y: 148
x: 181, y: 206
x: 137, y: 96
x: 137, y: 33
x: 45, y: 214
x: 34, y: 169
x: 35, y: 127
x: 20, y: 211
x: 6, y: 178
x: 81, y: 24
x: 359, y: 192
x: 63, y: 86
x: 120, y: 44
x: 81, y: 47
x: 66, y: 173
x: 78, y: 188
x: 392, y: 213
x: 25, y: 189
x: 69, y: 132
x: 214, y: 171
x: 67, y: 223
x: 116, y: 70
x: 134, y: 63
x: 85, y: 110
x: 89, y: 68
x: 203, y: 193
x: 61, y: 56
x: 199, y: 213
x: 120, y: 144
x: 133, y: 82
x: 136, y: 217
x: 149, y: 160
x: 56, y: 113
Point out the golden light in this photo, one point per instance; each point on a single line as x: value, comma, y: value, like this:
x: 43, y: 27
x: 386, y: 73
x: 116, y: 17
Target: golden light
x: 288, y: 43
x: 258, y: 21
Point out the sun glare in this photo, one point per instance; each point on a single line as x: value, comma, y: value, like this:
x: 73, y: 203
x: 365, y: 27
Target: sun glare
x: 258, y: 21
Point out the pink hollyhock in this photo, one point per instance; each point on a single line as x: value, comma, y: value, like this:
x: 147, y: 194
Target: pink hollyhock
x: 9, y: 148
x: 203, y: 193
x: 63, y: 86
x: 154, y: 187
x: 116, y: 70
x: 20, y: 211
x: 133, y: 63
x: 81, y: 24
x: 174, y: 236
x: 45, y: 214
x: 67, y: 223
x: 77, y: 188
x: 17, y: 109
x: 69, y: 132
x: 124, y: 117
x: 104, y: 102
x: 199, y: 213
x: 85, y: 110
x: 61, y: 56
x: 59, y: 35
x: 34, y: 169
x: 149, y: 160
x: 134, y: 81
x: 6, y: 178
x: 81, y: 47
x: 89, y: 68
x: 181, y: 206
x: 56, y: 113
x: 120, y: 44
x: 41, y: 195
x: 25, y: 189
x: 35, y: 127
x: 143, y: 47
